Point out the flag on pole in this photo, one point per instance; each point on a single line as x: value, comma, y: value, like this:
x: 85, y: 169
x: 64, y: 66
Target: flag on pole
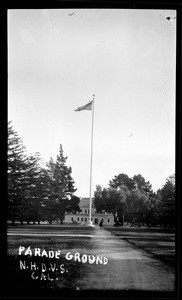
x: 87, y: 106
x: 90, y: 106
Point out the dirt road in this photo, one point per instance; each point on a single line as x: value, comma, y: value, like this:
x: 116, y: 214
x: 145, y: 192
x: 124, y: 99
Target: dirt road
x: 127, y: 268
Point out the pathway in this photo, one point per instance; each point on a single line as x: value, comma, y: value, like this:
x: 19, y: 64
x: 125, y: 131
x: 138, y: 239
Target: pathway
x: 127, y: 268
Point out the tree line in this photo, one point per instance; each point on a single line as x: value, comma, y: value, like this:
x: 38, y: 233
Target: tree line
x: 132, y: 200
x: 37, y: 193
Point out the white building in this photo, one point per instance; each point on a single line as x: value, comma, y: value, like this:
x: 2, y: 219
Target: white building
x: 83, y: 216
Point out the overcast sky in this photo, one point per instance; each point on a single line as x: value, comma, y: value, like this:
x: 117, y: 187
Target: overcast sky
x: 59, y: 58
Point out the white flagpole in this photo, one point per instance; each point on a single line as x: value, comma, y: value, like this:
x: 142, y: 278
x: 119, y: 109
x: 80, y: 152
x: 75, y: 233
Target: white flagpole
x: 90, y: 206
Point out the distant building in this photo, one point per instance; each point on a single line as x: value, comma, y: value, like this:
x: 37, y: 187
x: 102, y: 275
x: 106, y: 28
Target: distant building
x: 83, y: 216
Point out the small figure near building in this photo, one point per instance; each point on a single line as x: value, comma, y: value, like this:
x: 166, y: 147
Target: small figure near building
x: 101, y: 222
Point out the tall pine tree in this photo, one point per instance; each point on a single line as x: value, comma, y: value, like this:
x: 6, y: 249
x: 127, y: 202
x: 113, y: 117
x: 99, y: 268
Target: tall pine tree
x: 17, y: 164
x: 62, y: 188
x: 26, y: 182
x: 167, y: 198
x: 34, y: 189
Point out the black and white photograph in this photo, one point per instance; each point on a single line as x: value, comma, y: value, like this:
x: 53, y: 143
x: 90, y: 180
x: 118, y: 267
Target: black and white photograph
x: 91, y: 150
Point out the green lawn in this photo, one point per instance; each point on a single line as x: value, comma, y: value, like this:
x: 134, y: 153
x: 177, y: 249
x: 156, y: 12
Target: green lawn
x: 59, y: 274
x: 155, y: 241
x: 66, y: 271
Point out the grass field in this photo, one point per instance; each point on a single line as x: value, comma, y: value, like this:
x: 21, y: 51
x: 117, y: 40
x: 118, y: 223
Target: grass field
x: 159, y: 243
x: 30, y: 273
x: 21, y: 267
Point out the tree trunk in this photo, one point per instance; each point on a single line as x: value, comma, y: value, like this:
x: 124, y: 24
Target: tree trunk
x: 21, y: 222
x: 62, y: 217
x: 123, y: 219
x: 38, y: 222
x: 13, y: 222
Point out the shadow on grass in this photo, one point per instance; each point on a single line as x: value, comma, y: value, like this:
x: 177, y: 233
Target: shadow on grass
x: 47, y: 243
x: 140, y: 229
x: 164, y: 253
x: 49, y: 227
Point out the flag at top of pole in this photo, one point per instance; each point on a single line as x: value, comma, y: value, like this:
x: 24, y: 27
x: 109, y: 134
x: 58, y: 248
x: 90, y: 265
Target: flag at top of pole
x: 90, y: 106
x: 87, y: 106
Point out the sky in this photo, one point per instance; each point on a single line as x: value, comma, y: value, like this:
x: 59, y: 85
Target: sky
x: 59, y: 58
